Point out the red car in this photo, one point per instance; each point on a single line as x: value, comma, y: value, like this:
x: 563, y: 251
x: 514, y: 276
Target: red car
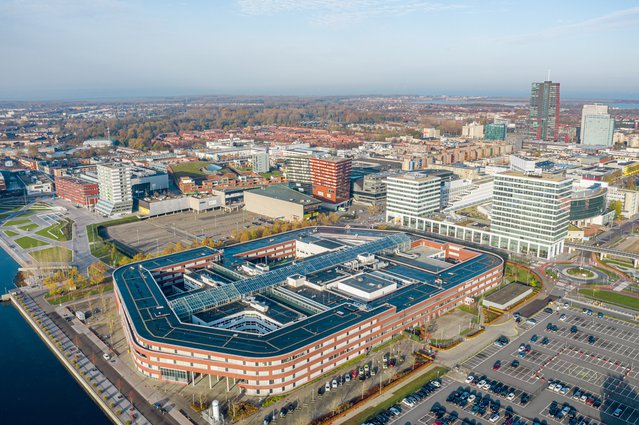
x: 497, y: 365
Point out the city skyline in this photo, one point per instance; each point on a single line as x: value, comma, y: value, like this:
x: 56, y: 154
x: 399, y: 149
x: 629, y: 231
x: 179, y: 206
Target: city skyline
x: 116, y: 48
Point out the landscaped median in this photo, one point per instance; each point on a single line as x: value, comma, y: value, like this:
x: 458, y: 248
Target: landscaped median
x: 398, y: 394
x: 61, y: 231
x: 611, y: 297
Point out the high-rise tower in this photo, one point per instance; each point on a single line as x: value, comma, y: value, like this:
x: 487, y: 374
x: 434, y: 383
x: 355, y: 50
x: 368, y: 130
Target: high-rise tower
x: 544, y: 111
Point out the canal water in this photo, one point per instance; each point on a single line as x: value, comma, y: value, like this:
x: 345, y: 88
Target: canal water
x: 34, y: 387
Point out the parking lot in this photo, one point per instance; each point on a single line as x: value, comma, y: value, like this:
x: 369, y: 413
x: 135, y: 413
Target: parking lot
x: 592, y: 359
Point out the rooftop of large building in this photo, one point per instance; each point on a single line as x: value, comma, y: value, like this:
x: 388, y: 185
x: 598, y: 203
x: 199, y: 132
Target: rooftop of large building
x: 293, y: 315
x: 284, y: 193
x: 551, y: 177
x: 414, y: 177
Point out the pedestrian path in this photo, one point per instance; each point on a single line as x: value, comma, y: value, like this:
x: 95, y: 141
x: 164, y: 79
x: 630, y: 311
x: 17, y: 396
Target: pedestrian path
x: 116, y: 404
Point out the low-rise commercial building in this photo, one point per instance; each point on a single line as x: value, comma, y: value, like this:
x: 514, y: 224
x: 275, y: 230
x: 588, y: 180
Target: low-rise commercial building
x: 280, y: 202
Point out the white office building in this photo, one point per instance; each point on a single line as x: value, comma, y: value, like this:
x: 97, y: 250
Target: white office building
x: 260, y: 162
x: 114, y: 185
x: 597, y: 126
x: 415, y: 194
x: 474, y: 130
x: 532, y: 208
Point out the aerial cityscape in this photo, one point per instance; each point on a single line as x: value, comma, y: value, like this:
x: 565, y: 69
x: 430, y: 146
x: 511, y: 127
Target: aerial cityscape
x: 317, y: 212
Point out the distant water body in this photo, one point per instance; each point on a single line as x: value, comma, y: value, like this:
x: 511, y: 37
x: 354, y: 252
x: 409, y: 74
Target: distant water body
x: 35, y: 388
x: 510, y: 103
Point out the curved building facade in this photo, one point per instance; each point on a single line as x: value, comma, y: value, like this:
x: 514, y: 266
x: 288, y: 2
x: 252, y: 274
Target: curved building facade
x: 587, y: 204
x: 333, y: 295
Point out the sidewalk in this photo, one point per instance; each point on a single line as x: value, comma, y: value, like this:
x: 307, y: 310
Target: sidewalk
x: 127, y: 373
x: 115, y: 405
x: 92, y: 350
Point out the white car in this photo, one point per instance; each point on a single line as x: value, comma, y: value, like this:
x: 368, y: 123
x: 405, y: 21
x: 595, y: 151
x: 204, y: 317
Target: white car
x: 494, y: 418
x: 551, y: 386
x: 436, y: 384
x: 471, y: 398
x: 562, y: 317
x: 487, y: 386
x: 522, y: 347
x: 408, y: 402
x: 106, y: 357
x: 558, y: 387
x: 327, y: 387
x: 511, y: 396
x: 469, y: 379
x: 481, y: 384
x: 335, y: 383
x: 347, y: 377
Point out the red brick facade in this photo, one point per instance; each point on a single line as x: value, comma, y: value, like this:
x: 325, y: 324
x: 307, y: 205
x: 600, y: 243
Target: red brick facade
x: 331, y: 179
x: 78, y: 191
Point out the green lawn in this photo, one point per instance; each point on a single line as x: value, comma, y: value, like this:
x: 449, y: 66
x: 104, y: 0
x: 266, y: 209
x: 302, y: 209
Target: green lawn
x: 398, y: 394
x: 16, y: 222
x: 516, y: 273
x: 270, y: 174
x: 612, y: 297
x: 55, y: 254
x: 29, y: 227
x: 56, y: 231
x: 11, y: 233
x: 579, y: 272
x: 103, y: 253
x: 189, y: 169
x: 26, y: 242
x: 471, y: 309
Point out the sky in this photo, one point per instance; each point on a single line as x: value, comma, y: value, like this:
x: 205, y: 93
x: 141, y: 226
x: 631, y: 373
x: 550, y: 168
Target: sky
x: 75, y: 49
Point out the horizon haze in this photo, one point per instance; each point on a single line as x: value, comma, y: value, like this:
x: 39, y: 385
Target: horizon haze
x: 71, y: 49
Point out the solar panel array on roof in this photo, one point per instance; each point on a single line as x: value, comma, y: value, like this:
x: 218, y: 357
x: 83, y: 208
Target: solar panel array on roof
x: 203, y: 300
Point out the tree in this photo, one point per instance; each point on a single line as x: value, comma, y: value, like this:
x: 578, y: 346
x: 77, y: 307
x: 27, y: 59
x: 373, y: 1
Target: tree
x: 33, y: 151
x: 617, y: 207
x: 96, y: 272
x: 51, y: 285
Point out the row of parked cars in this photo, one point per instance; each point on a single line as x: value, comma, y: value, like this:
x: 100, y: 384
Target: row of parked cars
x: 385, y: 416
x: 285, y: 410
x: 408, y: 401
x: 496, y: 387
x: 425, y: 391
x: 586, y: 397
x: 569, y: 413
x: 479, y: 404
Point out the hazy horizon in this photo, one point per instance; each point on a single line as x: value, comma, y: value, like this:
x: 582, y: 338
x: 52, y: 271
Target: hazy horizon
x: 74, y: 50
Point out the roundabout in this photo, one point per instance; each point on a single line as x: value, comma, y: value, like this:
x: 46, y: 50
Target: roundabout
x: 580, y: 275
